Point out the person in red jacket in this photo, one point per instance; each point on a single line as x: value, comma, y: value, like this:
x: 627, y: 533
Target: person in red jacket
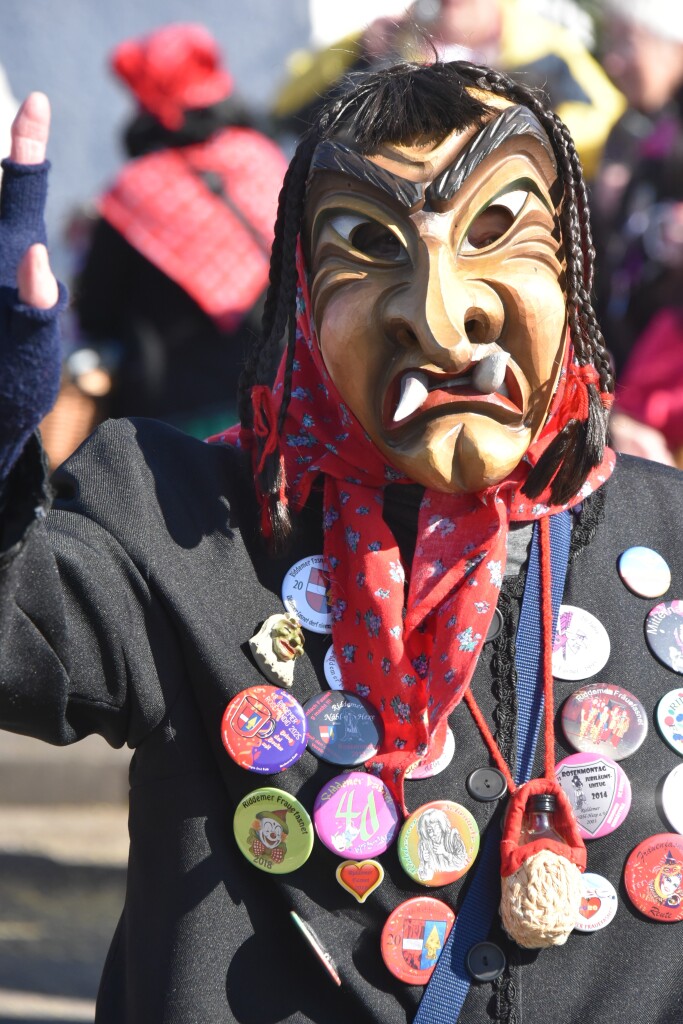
x: 172, y: 284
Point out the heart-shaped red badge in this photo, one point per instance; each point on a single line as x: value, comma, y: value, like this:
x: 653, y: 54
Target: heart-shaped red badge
x: 590, y: 907
x: 360, y: 877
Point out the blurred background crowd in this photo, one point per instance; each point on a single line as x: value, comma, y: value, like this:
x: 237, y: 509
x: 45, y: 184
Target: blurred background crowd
x: 172, y: 127
x: 171, y: 138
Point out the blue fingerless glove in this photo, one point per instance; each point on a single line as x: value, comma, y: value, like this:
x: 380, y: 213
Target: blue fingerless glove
x: 30, y: 350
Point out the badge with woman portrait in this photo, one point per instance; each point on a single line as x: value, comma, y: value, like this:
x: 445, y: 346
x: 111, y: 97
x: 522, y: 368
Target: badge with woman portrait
x: 438, y: 843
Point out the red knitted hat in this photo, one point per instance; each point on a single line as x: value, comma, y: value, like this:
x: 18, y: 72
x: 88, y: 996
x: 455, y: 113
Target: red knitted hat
x: 172, y: 70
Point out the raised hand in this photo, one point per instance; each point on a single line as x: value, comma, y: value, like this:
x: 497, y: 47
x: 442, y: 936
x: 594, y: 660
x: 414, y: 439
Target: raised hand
x: 30, y: 298
x: 36, y: 282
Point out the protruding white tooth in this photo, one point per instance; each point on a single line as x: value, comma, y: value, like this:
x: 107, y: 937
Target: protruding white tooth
x: 414, y: 391
x: 489, y: 374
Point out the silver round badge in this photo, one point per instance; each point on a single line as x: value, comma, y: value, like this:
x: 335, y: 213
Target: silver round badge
x: 644, y: 571
x: 670, y: 719
x: 599, y: 903
x: 581, y: 646
x: 672, y: 798
x: 332, y: 671
x: 305, y: 590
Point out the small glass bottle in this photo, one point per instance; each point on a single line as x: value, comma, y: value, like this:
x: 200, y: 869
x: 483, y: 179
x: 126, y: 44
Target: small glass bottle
x: 538, y: 821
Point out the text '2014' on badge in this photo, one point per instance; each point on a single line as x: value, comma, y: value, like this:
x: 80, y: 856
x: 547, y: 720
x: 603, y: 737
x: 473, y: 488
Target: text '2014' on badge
x: 664, y: 634
x: 438, y: 843
x: 273, y: 830
x: 343, y: 729
x: 581, y: 646
x: 604, y: 719
x: 598, y: 790
x: 264, y: 729
x: 653, y: 877
x: 413, y: 937
x: 598, y: 905
x: 356, y: 816
x: 305, y: 593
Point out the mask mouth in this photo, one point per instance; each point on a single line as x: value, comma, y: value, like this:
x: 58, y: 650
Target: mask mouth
x: 490, y: 386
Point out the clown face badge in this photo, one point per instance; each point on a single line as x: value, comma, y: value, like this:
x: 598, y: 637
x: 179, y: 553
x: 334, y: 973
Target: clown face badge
x: 276, y: 646
x: 437, y: 294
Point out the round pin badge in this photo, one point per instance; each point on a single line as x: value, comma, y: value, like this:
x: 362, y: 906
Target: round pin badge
x: 413, y: 937
x: 664, y: 634
x: 438, y: 843
x: 581, y: 646
x: 273, y: 830
x: 604, y: 719
x: 672, y: 798
x: 644, y: 571
x: 432, y: 765
x: 598, y: 790
x: 332, y: 671
x: 598, y: 905
x: 264, y: 729
x: 305, y: 591
x: 343, y: 729
x: 356, y: 816
x: 653, y: 877
x: 670, y: 719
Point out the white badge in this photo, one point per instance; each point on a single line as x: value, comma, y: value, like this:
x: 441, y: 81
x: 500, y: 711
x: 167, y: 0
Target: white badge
x: 598, y: 903
x: 305, y: 590
x: 332, y: 671
x: 425, y: 768
x: 672, y: 798
x: 670, y: 719
x: 581, y: 646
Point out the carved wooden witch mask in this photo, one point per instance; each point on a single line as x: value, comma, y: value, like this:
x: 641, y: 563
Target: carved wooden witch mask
x: 437, y: 293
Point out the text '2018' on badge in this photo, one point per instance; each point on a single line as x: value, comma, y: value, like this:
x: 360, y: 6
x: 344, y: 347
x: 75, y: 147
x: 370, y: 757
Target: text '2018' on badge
x: 273, y: 830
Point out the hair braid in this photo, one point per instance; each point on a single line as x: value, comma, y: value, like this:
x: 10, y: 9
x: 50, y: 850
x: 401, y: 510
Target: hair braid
x: 279, y: 322
x: 580, y: 444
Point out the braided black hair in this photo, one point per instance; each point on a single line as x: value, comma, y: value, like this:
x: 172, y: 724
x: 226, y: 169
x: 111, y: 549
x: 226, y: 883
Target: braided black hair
x: 397, y: 105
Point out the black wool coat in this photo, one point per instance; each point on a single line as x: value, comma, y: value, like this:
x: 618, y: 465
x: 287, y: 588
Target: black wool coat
x: 126, y: 611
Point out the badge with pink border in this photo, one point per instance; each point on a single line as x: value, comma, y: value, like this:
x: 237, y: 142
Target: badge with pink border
x: 356, y: 816
x: 598, y: 790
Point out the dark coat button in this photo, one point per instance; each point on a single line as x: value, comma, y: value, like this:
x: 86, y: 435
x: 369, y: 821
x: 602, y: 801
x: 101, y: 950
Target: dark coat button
x: 486, y: 784
x: 495, y: 627
x: 485, y: 961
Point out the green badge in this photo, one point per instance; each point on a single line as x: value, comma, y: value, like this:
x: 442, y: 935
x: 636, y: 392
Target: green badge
x: 273, y: 830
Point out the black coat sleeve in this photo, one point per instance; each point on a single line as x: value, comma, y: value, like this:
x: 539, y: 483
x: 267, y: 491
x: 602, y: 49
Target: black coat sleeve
x: 85, y: 643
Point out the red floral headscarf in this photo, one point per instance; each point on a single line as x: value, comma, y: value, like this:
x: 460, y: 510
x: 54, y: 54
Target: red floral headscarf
x: 406, y: 637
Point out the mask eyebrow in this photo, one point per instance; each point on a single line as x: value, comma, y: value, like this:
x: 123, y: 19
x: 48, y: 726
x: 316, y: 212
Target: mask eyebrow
x: 513, y: 121
x: 335, y: 156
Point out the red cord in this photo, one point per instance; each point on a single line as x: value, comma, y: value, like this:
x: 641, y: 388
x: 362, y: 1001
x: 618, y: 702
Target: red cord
x: 548, y: 636
x: 548, y: 633
x: 494, y: 749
